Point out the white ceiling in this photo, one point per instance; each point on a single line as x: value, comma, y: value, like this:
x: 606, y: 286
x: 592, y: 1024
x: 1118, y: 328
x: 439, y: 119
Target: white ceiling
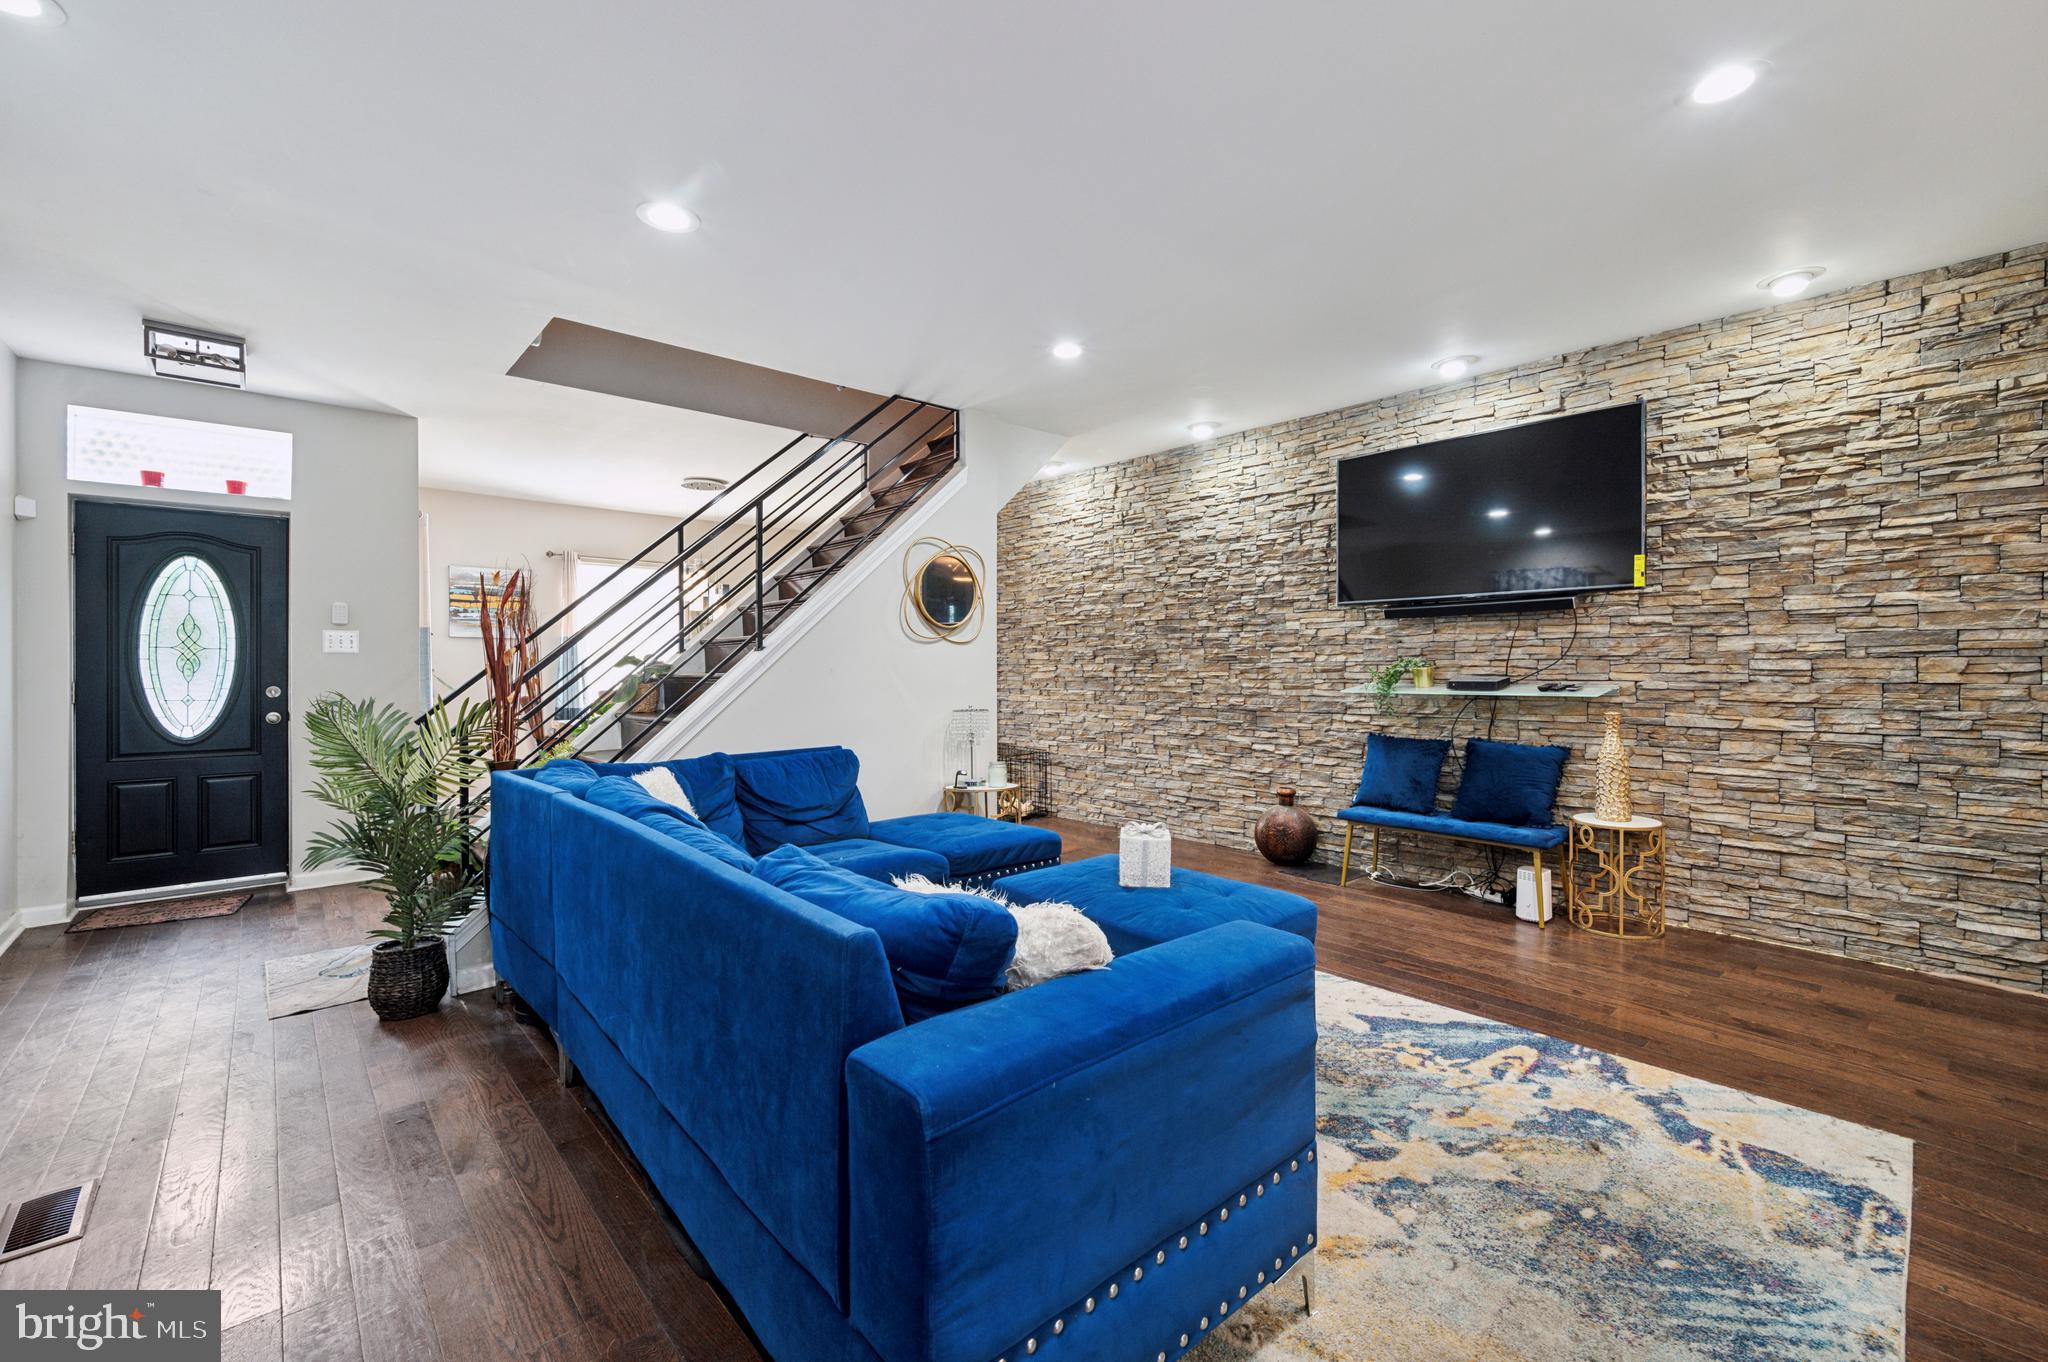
x: 1247, y: 212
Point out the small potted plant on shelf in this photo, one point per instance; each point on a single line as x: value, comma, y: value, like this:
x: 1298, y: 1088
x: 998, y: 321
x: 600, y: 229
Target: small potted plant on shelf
x: 394, y: 783
x: 1386, y: 678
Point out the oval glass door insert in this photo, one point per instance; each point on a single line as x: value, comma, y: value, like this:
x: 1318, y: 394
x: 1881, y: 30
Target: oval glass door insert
x: 185, y: 647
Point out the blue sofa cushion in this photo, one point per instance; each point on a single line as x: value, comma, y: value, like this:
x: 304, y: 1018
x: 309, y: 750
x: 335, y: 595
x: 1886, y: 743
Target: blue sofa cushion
x: 880, y: 860
x: 707, y: 780
x: 1509, y: 782
x: 945, y: 950
x: 800, y: 797
x: 628, y: 798
x: 1401, y: 773
x: 1511, y: 834
x: 568, y: 774
x: 1138, y: 919
x: 972, y: 845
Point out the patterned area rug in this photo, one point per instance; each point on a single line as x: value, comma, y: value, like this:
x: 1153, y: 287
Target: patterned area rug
x: 307, y: 983
x: 1494, y: 1195
x: 171, y: 910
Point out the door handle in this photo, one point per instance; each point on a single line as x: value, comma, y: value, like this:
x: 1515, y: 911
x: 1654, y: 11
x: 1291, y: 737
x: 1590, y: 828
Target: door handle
x: 273, y: 717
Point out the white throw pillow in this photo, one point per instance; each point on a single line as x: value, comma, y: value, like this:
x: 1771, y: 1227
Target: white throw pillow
x: 1052, y: 938
x: 661, y: 782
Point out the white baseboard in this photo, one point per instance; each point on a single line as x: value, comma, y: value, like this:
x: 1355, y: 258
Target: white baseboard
x: 47, y: 915
x: 474, y: 978
x: 10, y: 931
x: 326, y: 878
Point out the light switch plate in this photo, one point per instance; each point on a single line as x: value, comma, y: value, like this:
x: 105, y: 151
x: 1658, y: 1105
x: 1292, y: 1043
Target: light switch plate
x: 338, y: 613
x: 340, y: 641
x: 24, y: 508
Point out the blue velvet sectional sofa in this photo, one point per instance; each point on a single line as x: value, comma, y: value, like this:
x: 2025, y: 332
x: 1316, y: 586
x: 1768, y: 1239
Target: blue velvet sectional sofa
x: 1104, y: 1166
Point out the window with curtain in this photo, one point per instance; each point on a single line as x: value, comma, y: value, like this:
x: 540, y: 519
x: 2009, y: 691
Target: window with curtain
x: 643, y: 627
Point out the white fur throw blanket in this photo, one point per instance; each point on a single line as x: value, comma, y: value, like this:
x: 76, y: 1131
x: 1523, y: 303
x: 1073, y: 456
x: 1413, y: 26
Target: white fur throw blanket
x: 1052, y: 938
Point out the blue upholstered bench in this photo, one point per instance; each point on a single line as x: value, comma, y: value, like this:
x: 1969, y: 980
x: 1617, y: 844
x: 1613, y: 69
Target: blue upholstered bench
x: 1535, y: 840
x: 1505, y: 797
x: 1135, y: 919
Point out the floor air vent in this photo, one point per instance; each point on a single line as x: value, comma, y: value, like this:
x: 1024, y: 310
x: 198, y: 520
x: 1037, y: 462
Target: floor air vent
x: 45, y: 1221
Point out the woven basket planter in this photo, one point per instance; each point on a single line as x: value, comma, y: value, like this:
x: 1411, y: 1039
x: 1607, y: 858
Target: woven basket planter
x: 407, y: 983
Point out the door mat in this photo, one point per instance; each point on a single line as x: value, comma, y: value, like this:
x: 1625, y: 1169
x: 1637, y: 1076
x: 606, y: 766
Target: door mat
x: 145, y: 914
x: 307, y: 983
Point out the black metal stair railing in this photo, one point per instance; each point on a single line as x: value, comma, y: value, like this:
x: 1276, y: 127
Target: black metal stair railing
x: 781, y: 530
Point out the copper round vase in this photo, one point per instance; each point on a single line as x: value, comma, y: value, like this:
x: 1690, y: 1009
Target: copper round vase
x: 1286, y: 835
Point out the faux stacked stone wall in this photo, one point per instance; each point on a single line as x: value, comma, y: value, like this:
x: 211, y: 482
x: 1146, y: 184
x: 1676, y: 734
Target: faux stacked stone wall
x: 1833, y: 683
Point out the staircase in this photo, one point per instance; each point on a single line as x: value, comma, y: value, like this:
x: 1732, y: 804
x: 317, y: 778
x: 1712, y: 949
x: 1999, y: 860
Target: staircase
x: 615, y: 674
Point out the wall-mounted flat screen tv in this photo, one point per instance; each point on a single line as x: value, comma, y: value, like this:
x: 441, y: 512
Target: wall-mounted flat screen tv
x: 1549, y: 508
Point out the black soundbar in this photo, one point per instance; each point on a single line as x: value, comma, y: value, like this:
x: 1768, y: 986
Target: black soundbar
x: 1478, y: 682
x: 1512, y: 605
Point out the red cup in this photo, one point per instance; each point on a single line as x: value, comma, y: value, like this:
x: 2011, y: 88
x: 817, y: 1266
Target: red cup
x: 152, y: 478
x: 236, y: 487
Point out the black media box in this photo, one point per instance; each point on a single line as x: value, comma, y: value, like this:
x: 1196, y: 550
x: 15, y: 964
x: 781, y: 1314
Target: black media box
x: 1478, y: 683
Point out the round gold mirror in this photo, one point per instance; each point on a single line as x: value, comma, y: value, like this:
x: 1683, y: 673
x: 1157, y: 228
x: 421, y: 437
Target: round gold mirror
x: 942, y: 591
x: 947, y: 589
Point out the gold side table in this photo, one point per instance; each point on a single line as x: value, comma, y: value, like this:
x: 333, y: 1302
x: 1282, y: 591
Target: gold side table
x: 1614, y: 876
x: 1005, y: 801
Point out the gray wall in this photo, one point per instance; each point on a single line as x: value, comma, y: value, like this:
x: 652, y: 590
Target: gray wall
x: 10, y: 922
x: 467, y: 529
x: 353, y: 538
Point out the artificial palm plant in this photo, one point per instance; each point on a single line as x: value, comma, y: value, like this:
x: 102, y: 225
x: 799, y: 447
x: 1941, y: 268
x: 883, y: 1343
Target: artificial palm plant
x: 395, y: 783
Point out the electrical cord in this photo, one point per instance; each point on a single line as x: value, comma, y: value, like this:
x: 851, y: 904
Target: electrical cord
x: 1569, y: 644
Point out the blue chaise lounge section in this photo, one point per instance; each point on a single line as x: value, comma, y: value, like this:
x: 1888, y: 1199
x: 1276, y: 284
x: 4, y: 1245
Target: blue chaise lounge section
x: 959, y: 1189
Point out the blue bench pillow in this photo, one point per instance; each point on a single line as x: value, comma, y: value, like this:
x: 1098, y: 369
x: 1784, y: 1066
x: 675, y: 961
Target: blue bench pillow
x: 1401, y: 773
x: 707, y: 780
x: 945, y: 950
x: 800, y: 798
x: 1509, y: 782
x: 628, y: 798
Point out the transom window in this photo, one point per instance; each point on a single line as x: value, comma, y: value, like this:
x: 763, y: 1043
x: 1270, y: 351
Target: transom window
x: 131, y: 449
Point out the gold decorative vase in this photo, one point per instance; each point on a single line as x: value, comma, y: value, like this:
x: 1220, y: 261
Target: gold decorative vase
x: 1611, y: 796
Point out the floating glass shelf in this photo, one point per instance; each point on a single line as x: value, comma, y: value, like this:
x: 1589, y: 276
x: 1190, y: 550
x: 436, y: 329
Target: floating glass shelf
x: 1521, y: 690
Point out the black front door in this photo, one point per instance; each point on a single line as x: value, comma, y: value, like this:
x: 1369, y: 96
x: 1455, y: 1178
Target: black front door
x: 179, y: 618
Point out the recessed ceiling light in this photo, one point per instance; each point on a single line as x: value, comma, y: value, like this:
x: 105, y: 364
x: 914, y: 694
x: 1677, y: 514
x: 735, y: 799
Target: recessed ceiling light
x: 1202, y: 430
x: 1791, y: 283
x: 705, y: 484
x: 1543, y: 532
x: 1457, y: 366
x: 1414, y: 475
x: 1497, y: 513
x: 1068, y: 349
x: 47, y: 13
x: 1726, y: 81
x: 664, y: 216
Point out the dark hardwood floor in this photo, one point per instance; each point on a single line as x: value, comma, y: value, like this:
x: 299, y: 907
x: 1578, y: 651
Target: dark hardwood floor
x: 426, y: 1189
